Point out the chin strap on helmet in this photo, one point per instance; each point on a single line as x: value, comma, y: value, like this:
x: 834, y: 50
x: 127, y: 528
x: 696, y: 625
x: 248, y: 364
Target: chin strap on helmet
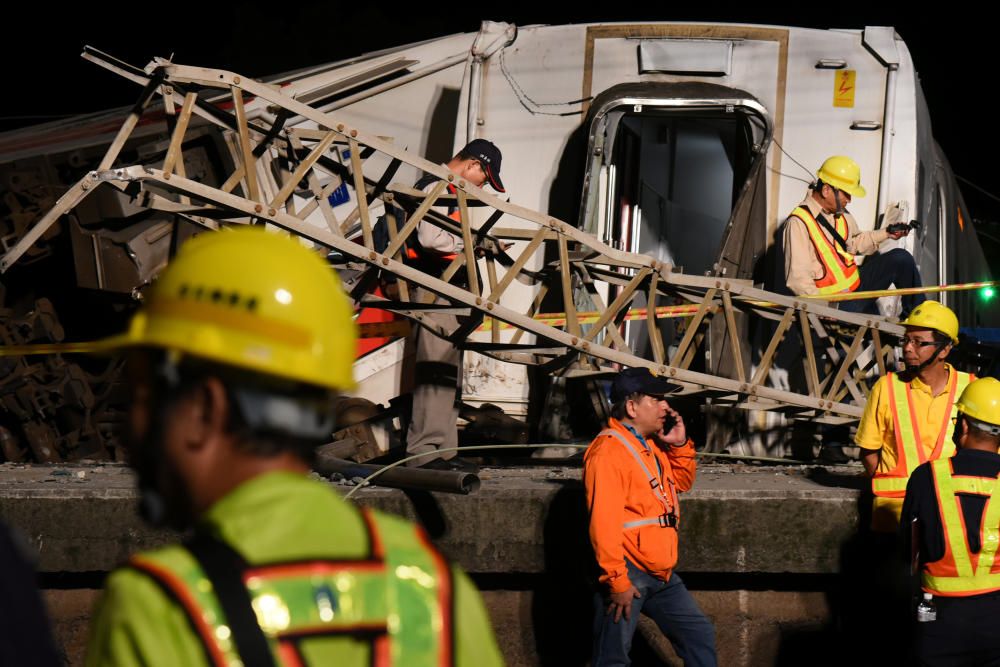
x: 937, y: 350
x: 836, y: 200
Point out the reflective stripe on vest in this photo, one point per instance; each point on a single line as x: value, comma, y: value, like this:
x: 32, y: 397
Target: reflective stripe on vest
x: 840, y: 273
x: 671, y: 507
x: 960, y: 573
x: 663, y: 521
x: 909, y: 445
x: 400, y: 599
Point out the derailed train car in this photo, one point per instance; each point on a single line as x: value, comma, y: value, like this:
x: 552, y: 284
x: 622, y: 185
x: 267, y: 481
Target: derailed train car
x: 688, y: 143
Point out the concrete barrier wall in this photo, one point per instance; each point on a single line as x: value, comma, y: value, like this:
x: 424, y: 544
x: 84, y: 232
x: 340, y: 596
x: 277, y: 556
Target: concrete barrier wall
x: 762, y: 548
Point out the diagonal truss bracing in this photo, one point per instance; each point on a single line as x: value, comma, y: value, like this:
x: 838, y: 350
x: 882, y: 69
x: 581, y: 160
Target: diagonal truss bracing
x: 284, y: 174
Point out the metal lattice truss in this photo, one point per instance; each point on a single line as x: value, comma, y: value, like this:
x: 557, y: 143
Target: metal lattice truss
x: 275, y: 165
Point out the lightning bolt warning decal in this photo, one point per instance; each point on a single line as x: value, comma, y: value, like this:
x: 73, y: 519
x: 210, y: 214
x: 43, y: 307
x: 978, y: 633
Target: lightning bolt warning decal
x: 843, y: 88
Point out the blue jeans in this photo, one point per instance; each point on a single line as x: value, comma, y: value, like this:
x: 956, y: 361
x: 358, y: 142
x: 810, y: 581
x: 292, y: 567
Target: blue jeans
x: 880, y: 270
x: 669, y: 604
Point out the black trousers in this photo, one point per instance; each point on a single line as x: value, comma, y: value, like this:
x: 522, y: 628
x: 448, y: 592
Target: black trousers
x: 25, y: 635
x: 879, y: 271
x: 964, y: 634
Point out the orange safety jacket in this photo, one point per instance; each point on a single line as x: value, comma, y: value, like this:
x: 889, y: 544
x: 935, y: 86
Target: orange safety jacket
x: 960, y: 573
x: 671, y: 516
x: 840, y: 272
x: 631, y: 490
x: 906, y: 425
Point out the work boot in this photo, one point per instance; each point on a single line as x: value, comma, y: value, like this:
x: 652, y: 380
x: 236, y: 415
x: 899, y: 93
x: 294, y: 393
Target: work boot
x: 834, y: 455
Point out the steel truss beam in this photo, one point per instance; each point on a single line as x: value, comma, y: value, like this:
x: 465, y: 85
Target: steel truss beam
x: 274, y: 164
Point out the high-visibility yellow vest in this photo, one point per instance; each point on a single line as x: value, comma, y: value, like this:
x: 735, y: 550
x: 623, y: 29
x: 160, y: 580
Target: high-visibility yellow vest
x: 960, y: 573
x: 399, y: 599
x: 840, y: 272
x: 906, y: 426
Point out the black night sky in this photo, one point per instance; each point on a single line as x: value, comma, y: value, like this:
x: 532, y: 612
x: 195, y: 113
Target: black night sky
x: 44, y: 77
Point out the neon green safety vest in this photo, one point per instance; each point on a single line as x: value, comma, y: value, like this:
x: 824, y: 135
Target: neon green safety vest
x: 909, y: 450
x: 399, y: 599
x: 840, y: 273
x: 959, y: 572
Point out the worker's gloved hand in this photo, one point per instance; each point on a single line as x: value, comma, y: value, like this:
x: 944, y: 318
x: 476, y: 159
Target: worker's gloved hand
x: 488, y: 246
x: 620, y: 603
x: 895, y: 223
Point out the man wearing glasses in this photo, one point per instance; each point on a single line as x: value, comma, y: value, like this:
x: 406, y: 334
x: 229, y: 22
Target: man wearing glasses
x: 907, y: 419
x: 633, y: 471
x: 821, y: 239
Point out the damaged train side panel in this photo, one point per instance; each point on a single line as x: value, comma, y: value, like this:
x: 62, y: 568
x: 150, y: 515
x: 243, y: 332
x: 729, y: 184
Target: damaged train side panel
x: 676, y: 141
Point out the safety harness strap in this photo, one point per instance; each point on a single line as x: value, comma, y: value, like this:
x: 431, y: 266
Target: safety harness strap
x: 654, y: 484
x: 224, y: 567
x: 841, y: 272
x: 663, y: 521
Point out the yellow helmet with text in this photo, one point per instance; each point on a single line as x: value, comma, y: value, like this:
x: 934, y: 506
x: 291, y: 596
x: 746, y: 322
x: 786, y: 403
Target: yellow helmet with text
x: 252, y: 299
x: 842, y: 173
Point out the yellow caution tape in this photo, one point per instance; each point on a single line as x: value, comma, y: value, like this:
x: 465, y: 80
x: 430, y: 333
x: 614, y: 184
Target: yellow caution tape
x: 89, y: 347
x: 392, y: 329
x: 589, y: 317
x: 688, y: 310
x: 930, y: 289
x: 402, y: 327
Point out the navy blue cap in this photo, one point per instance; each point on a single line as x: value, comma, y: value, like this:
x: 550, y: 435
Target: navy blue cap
x: 489, y: 156
x: 639, y: 381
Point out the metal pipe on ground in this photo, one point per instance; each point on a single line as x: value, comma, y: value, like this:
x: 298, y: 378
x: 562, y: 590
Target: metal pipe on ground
x: 414, y: 479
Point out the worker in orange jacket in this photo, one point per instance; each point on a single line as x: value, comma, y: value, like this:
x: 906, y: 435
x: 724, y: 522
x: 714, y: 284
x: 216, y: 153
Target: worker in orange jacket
x: 633, y: 472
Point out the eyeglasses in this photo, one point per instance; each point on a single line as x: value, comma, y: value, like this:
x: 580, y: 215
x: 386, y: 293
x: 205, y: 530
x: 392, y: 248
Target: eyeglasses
x: 916, y: 342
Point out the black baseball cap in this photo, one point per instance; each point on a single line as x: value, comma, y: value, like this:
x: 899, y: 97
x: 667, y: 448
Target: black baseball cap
x: 489, y: 156
x: 639, y: 381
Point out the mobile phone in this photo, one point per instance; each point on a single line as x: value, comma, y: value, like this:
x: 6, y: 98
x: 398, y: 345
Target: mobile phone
x: 903, y: 226
x: 668, y: 423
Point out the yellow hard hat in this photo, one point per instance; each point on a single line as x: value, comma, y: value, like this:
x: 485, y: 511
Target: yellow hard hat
x: 981, y: 401
x: 842, y: 173
x: 933, y: 315
x: 253, y: 299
